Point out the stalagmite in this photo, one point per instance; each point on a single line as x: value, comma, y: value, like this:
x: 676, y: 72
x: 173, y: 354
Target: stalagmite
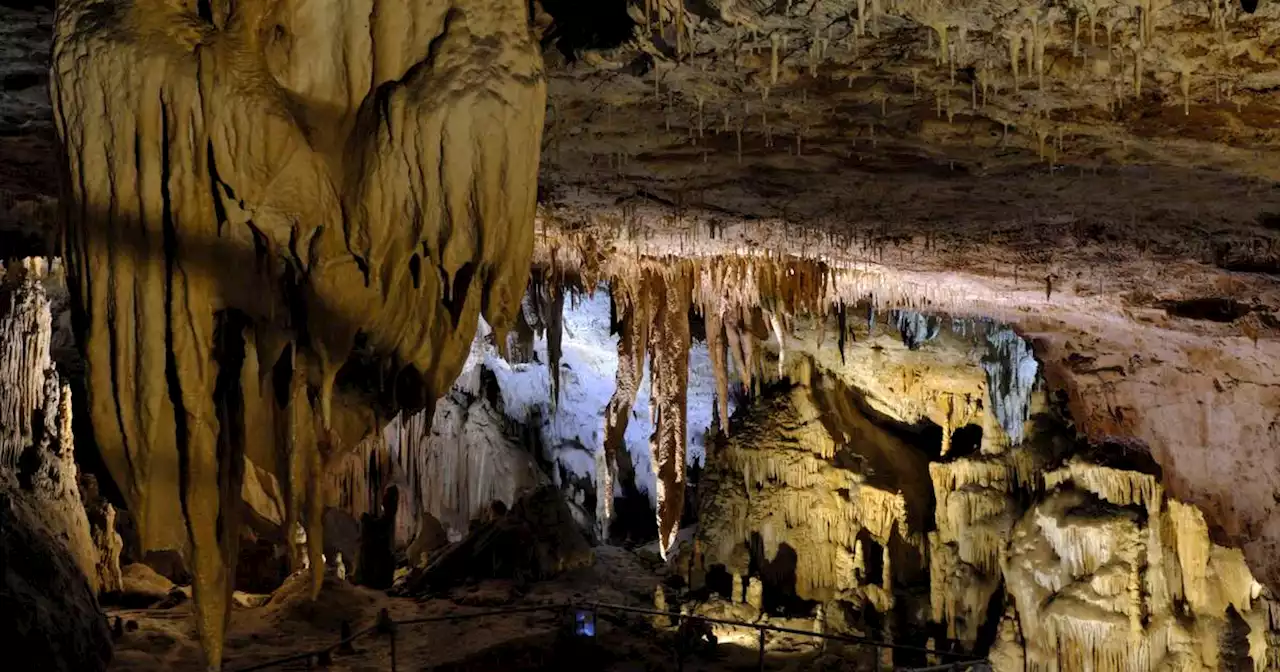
x: 37, y: 449
x: 25, y: 362
x: 53, y: 558
x: 249, y: 206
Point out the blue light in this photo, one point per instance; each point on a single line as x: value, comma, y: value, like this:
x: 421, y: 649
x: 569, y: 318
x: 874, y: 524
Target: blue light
x: 585, y: 623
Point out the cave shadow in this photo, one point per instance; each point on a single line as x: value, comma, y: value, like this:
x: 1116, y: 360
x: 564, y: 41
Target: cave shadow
x: 635, y: 641
x: 586, y: 24
x: 777, y: 578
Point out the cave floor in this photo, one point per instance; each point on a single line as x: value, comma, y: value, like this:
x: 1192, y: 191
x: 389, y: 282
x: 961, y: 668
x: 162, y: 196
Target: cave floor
x: 165, y: 639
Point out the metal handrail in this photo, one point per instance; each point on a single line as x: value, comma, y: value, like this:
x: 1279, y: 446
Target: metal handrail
x: 386, y: 625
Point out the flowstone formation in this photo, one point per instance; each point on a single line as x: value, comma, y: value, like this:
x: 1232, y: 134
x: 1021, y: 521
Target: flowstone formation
x: 282, y: 226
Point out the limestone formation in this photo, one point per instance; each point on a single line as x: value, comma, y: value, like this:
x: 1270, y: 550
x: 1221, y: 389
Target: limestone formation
x: 454, y: 465
x: 1122, y: 584
x: 631, y: 323
x: 37, y: 449
x: 49, y: 614
x: 282, y: 223
x: 669, y: 373
x: 805, y: 473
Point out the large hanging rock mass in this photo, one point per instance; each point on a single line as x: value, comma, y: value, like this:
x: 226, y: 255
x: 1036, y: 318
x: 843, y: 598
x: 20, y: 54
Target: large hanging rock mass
x: 283, y: 222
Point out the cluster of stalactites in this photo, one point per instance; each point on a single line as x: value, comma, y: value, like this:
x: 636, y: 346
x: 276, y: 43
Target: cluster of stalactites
x: 651, y: 317
x: 976, y: 504
x: 1122, y: 487
x: 916, y: 328
x: 746, y: 300
x: 355, y: 480
x: 453, y: 466
x: 543, y: 310
x: 1012, y: 372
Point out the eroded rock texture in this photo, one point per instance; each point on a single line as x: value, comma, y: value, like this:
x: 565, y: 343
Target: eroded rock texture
x: 282, y: 223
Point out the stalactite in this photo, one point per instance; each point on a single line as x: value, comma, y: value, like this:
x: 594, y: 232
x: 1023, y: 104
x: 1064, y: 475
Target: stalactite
x: 669, y: 378
x: 719, y: 366
x: 916, y: 328
x: 1118, y: 486
x: 1012, y: 372
x: 381, y: 242
x: 633, y: 313
x: 547, y: 295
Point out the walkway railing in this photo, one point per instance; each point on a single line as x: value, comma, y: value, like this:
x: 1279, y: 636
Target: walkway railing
x: 386, y: 626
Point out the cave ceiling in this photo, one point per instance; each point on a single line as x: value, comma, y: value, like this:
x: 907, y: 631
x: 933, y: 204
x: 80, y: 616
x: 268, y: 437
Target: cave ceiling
x: 1058, y: 137
x: 1128, y: 141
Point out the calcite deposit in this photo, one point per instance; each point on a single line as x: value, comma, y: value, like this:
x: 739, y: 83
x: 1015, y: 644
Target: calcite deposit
x: 282, y: 223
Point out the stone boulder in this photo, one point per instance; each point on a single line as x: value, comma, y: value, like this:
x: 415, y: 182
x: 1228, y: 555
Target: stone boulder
x: 49, y: 617
x: 142, y: 583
